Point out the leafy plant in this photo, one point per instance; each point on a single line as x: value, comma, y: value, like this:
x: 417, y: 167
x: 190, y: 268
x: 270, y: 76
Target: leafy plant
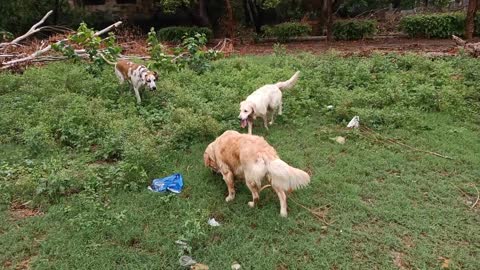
x: 285, y: 31
x: 353, y: 29
x: 178, y: 33
x: 279, y: 49
x: 99, y: 50
x: 5, y: 35
x: 190, y: 54
x: 441, y: 25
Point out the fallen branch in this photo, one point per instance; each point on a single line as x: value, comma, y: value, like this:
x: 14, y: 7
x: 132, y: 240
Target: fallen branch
x: 42, y: 51
x: 472, y: 48
x: 30, y: 32
x: 478, y: 197
x: 316, y: 214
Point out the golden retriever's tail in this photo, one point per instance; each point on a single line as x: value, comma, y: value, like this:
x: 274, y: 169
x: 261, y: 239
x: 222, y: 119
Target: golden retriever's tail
x: 290, y: 83
x: 286, y: 177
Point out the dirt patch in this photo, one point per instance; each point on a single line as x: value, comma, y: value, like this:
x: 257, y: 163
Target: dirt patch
x: 24, y: 265
x: 20, y: 211
x: 408, y: 241
x: 364, y: 46
x: 399, y: 260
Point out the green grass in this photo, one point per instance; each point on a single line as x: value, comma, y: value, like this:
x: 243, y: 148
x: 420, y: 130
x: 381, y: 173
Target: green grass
x: 78, y: 149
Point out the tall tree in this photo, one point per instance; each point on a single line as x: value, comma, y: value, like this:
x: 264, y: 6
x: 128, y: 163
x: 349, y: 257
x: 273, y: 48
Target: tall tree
x: 470, y: 22
x: 329, y: 18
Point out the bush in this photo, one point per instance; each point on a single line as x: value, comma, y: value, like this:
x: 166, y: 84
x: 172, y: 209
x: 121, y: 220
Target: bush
x: 177, y: 33
x: 354, y: 29
x: 285, y: 31
x: 434, y: 25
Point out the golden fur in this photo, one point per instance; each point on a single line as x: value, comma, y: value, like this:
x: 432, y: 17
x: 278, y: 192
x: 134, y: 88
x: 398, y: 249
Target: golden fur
x: 251, y: 158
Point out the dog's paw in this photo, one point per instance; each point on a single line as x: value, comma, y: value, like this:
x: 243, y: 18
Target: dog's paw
x: 251, y: 204
x: 270, y: 123
x: 283, y: 214
x: 229, y: 198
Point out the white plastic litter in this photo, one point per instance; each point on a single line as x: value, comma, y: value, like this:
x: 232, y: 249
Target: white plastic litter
x: 212, y: 222
x: 186, y: 261
x: 236, y: 266
x: 340, y: 140
x: 181, y: 243
x: 354, y: 123
x: 330, y: 107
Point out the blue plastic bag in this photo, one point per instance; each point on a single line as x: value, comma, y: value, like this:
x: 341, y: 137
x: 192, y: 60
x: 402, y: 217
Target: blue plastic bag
x: 173, y: 183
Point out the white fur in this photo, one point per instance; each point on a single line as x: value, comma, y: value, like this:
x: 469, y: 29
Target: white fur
x: 267, y: 99
x: 139, y: 78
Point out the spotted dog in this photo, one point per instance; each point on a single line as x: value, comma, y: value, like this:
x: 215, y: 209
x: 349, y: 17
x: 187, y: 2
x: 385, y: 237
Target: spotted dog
x: 138, y: 75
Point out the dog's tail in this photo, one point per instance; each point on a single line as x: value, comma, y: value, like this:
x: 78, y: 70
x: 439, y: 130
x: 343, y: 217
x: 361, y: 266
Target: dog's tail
x: 286, y: 177
x: 106, y: 60
x: 290, y: 83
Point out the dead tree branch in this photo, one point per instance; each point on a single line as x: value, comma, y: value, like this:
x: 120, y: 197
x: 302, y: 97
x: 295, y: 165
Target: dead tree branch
x: 32, y: 56
x: 471, y: 48
x: 30, y: 32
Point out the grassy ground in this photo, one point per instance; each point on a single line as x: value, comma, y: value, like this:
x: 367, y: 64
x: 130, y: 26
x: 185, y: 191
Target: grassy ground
x: 80, y: 154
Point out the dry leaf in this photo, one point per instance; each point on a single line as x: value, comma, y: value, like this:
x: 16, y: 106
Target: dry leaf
x: 199, y: 266
x: 446, y: 262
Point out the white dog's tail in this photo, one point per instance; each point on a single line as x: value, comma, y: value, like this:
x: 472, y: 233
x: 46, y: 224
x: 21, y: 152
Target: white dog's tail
x: 106, y: 60
x: 286, y: 177
x: 290, y: 83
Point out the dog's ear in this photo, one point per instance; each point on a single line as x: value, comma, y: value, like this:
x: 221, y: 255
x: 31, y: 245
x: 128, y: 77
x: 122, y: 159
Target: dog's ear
x: 206, y: 159
x: 156, y: 75
x: 254, y: 109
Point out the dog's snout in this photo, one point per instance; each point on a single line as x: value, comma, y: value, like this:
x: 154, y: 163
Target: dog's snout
x: 154, y: 88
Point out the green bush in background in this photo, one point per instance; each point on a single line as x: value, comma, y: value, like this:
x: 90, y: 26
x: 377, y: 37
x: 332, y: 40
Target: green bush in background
x: 285, y: 31
x: 177, y: 33
x: 354, y: 29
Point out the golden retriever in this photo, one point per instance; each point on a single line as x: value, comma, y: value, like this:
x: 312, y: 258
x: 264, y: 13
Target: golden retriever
x: 251, y: 158
x: 263, y: 101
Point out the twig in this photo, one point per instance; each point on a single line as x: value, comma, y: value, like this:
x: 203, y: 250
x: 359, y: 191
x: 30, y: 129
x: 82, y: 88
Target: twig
x: 320, y: 217
x: 478, y: 197
x: 39, y: 52
x: 30, y: 32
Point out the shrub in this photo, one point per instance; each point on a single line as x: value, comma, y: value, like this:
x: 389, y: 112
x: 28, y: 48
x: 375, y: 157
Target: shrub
x: 434, y: 25
x: 191, y: 54
x: 353, y: 29
x: 177, y: 33
x: 285, y: 31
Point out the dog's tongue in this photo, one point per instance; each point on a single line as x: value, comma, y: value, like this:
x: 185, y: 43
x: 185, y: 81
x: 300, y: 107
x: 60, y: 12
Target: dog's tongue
x: 243, y: 123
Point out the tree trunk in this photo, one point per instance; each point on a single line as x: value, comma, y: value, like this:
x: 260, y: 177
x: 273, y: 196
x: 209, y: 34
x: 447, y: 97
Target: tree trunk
x: 396, y: 3
x: 329, y: 17
x: 56, y: 10
x: 202, y: 13
x: 253, y: 14
x: 231, y: 20
x: 470, y: 22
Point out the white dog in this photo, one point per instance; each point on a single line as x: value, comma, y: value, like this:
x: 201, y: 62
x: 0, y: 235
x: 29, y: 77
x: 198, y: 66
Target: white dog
x: 264, y: 100
x: 139, y: 76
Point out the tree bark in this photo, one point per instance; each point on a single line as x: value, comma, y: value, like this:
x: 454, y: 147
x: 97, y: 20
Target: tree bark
x: 253, y: 14
x: 202, y: 12
x: 396, y: 3
x: 470, y: 22
x: 329, y: 16
x: 231, y: 20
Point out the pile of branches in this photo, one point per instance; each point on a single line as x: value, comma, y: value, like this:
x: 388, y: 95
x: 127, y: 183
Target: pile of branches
x: 18, y: 53
x: 472, y: 49
x: 13, y: 54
